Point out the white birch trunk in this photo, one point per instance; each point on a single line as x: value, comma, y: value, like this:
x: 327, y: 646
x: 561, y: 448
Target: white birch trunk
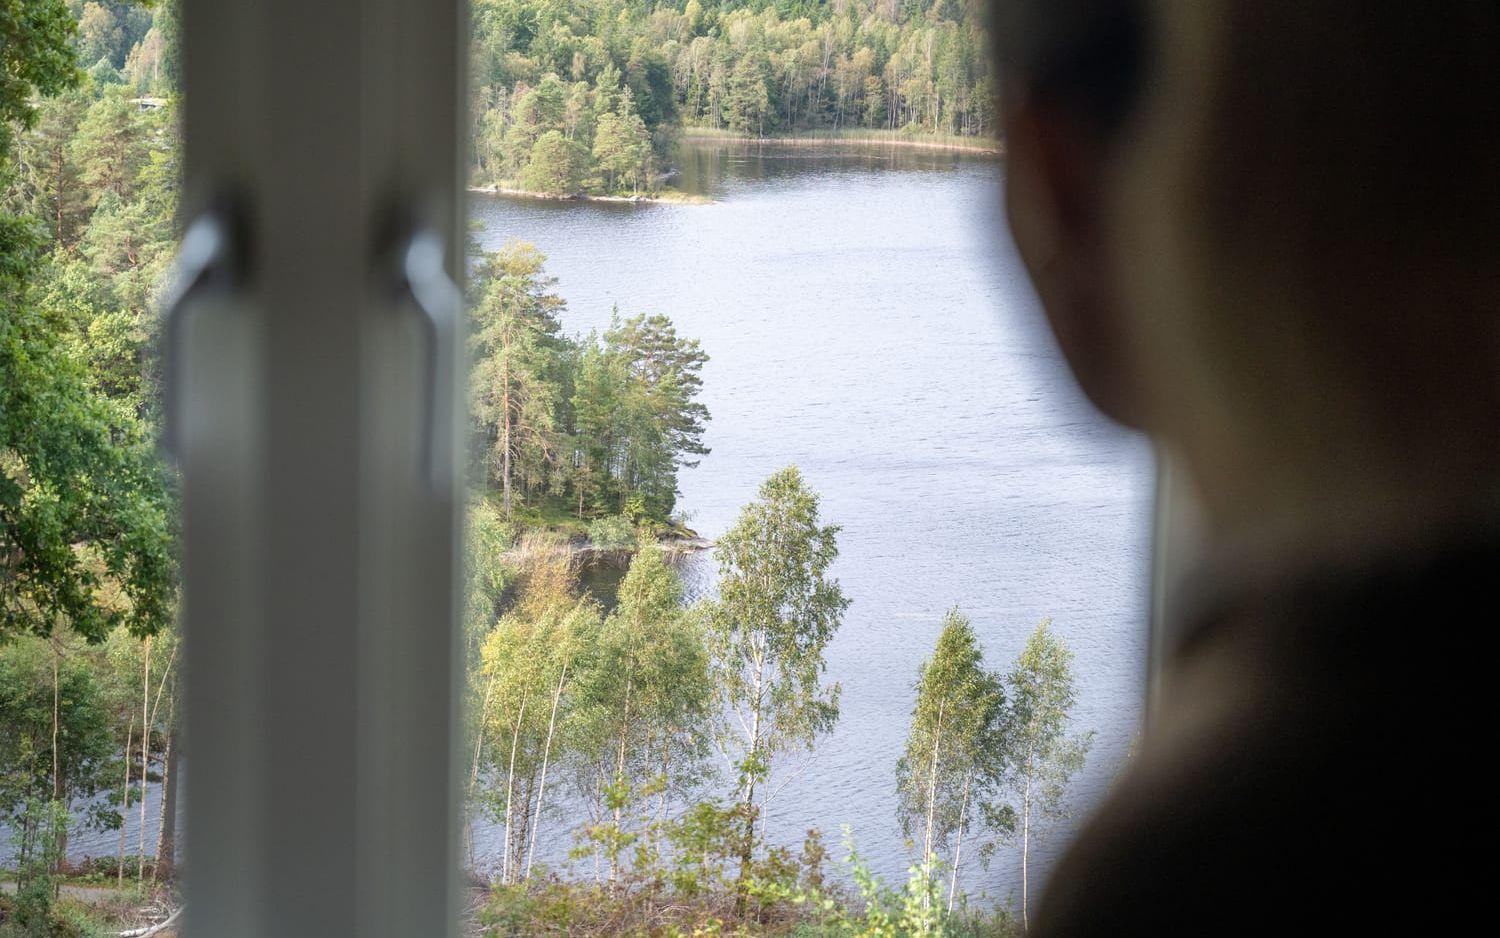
x: 140, y: 868
x: 541, y: 792
x: 510, y: 781
x: 125, y: 798
x: 958, y: 847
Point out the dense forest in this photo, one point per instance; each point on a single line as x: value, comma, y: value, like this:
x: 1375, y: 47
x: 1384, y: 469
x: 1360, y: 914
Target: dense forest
x: 636, y: 733
x: 573, y: 96
x: 89, y: 169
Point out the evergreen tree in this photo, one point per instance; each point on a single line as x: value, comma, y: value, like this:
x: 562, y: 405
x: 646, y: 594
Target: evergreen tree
x: 660, y: 421
x: 47, y: 183
x: 110, y: 148
x: 622, y: 147
x: 515, y: 383
x: 555, y: 166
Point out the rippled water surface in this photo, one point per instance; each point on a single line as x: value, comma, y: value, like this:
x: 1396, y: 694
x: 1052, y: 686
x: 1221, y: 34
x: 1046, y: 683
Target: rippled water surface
x: 868, y: 321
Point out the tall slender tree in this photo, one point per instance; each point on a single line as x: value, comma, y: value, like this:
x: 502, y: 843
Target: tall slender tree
x: 956, y: 749
x: 515, y: 384
x: 645, y: 701
x: 1046, y: 757
x: 778, y: 608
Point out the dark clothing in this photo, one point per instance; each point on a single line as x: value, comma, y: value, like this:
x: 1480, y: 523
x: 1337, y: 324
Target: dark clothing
x: 1316, y: 767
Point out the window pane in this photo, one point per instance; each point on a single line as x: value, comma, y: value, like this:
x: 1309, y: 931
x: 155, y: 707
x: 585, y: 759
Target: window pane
x: 766, y: 423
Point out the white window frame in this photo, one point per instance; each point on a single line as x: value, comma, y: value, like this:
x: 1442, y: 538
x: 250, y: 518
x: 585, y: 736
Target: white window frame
x: 319, y: 411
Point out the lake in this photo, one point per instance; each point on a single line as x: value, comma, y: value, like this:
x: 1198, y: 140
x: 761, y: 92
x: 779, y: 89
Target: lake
x: 867, y: 320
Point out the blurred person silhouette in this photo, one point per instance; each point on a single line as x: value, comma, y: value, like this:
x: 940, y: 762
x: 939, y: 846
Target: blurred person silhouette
x: 1265, y: 234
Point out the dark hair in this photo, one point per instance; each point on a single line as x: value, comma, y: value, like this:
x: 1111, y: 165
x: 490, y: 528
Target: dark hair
x: 1088, y: 54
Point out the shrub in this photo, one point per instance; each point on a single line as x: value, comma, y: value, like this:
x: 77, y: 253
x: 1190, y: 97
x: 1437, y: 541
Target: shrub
x: 555, y: 167
x: 613, y: 532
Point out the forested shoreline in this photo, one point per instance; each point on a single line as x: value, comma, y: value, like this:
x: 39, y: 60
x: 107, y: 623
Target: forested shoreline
x: 590, y: 97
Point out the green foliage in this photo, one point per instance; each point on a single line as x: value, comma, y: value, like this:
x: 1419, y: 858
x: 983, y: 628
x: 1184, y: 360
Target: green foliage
x: 642, y: 710
x: 619, y: 79
x: 776, y: 611
x: 686, y: 891
x: 1042, y: 695
x: 949, y: 777
x: 36, y: 58
x: 516, y: 380
x: 46, y: 183
x: 489, y: 572
x: 86, y: 518
x: 650, y: 423
x: 521, y: 695
x: 612, y: 532
x: 84, y: 752
x: 110, y: 146
x: 87, y: 511
x: 1044, y: 756
x: 622, y: 148
x: 39, y: 833
x: 555, y: 166
x: 599, y: 424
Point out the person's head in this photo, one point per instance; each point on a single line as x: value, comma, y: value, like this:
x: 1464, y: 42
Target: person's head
x: 1265, y: 232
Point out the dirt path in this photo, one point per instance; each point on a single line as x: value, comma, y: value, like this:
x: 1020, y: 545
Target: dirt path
x: 116, y: 900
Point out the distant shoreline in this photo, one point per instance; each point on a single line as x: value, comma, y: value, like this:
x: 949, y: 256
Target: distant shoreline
x: 666, y: 197
x: 887, y: 138
x: 866, y: 138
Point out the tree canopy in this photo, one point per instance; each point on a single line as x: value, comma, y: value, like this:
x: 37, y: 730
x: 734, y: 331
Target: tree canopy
x: 616, y: 80
x: 599, y: 424
x: 86, y: 517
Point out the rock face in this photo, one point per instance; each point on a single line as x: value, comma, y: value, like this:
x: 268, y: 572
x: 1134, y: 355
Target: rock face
x: 685, y: 545
x: 673, y: 546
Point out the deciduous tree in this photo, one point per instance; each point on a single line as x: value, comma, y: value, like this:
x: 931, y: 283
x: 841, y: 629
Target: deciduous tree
x: 778, y: 608
x: 956, y: 749
x: 1045, y: 756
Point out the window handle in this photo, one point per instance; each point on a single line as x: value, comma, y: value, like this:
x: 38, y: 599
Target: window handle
x: 210, y: 260
x: 424, y: 283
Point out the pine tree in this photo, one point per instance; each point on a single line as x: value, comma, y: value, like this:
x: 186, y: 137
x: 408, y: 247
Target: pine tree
x: 515, y: 384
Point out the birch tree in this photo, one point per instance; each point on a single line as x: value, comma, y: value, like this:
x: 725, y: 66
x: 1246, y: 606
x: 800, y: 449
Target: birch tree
x: 1046, y: 757
x: 947, y: 780
x: 776, y: 611
x: 645, y: 705
x: 523, y: 674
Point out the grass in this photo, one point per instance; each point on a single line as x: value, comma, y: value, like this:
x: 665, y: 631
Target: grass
x: 555, y: 515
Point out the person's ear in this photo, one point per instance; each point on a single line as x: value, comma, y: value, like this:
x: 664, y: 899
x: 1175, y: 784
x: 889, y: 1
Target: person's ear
x: 1055, y: 192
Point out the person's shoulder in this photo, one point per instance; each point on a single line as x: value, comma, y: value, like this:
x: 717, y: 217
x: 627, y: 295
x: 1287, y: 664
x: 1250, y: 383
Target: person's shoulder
x: 1285, y: 767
